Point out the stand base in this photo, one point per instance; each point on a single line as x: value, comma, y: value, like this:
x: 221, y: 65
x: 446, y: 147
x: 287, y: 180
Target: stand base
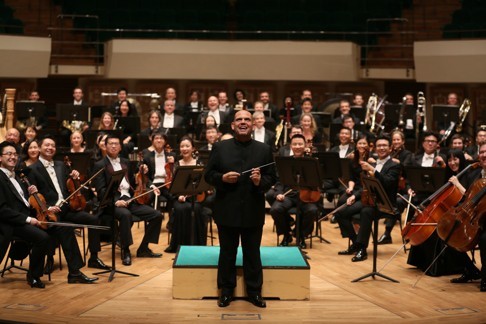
x: 373, y: 274
x: 112, y: 273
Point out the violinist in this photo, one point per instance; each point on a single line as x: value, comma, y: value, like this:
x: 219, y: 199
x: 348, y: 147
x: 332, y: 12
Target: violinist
x: 352, y: 196
x: 123, y: 210
x: 16, y: 221
x: 50, y: 178
x: 399, y: 155
x: 285, y: 200
x: 180, y: 220
x: 470, y: 272
x: 159, y: 162
x: 387, y: 172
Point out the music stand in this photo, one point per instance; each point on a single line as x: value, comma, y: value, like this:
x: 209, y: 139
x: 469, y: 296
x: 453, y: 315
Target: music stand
x: 298, y: 173
x: 26, y: 109
x: 330, y: 164
x: 359, y: 113
x: 443, y: 115
x: 109, y: 205
x: 129, y: 125
x: 72, y: 112
x: 392, y: 113
x: 425, y: 179
x: 384, y: 205
x: 189, y: 180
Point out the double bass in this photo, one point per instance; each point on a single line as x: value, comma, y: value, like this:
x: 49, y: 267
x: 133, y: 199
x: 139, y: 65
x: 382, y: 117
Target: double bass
x: 461, y: 226
x: 431, y: 210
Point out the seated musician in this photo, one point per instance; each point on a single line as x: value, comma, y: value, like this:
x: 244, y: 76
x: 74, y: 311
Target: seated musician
x: 399, y: 155
x: 16, y: 221
x: 352, y: 196
x: 285, y: 200
x: 69, y: 126
x: 470, y: 271
x: 430, y: 156
x: 219, y: 116
x: 123, y: 209
x: 473, y: 150
x: 115, y: 107
x: 154, y: 122
x: 387, y: 172
x: 457, y: 142
x: 169, y: 118
x: 306, y: 107
x: 181, y: 220
x: 50, y: 178
x: 159, y: 161
x: 260, y: 133
x: 211, y: 136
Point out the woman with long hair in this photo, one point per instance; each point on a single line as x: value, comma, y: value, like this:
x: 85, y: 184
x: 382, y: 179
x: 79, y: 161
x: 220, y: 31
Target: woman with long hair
x: 309, y: 127
x: 107, y: 121
x: 30, y: 152
x: 77, y: 142
x: 181, y: 221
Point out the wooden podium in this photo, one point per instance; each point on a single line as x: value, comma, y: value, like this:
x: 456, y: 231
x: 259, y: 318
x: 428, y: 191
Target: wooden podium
x: 286, y: 273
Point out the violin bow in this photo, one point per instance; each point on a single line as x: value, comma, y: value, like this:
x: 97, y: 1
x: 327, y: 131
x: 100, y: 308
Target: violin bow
x: 99, y: 227
x: 62, y: 202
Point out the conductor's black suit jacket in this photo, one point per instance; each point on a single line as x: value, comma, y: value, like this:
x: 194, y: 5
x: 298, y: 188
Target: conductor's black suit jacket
x: 240, y: 204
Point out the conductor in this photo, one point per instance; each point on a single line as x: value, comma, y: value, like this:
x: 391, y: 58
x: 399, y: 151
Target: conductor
x: 239, y: 208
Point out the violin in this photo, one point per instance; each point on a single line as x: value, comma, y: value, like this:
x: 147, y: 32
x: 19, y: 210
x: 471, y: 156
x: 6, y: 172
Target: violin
x: 461, y: 226
x: 308, y: 195
x: 77, y: 201
x: 169, y: 166
x: 431, y: 210
x: 366, y: 199
x: 38, y: 202
x: 141, y: 180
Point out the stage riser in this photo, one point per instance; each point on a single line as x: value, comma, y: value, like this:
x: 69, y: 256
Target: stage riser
x: 198, y: 283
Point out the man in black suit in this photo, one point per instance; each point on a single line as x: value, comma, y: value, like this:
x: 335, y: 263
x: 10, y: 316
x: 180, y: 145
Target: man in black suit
x: 124, y: 210
x: 15, y: 221
x: 387, y: 172
x: 344, y: 109
x: 473, y: 150
x: 169, y: 118
x: 306, y: 107
x: 219, y: 116
x: 267, y: 105
x: 224, y: 105
x: 239, y: 209
x: 260, y: 133
x: 211, y: 138
x: 50, y: 178
x: 122, y: 96
x: 429, y: 157
x: 170, y: 94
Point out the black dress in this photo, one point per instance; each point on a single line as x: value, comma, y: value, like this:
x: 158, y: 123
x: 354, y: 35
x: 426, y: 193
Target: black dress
x: 180, y: 222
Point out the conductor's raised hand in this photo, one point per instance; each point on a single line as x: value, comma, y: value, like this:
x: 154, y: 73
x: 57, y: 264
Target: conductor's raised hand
x: 231, y: 177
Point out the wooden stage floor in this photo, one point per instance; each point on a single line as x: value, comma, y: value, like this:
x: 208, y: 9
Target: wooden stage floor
x: 334, y: 298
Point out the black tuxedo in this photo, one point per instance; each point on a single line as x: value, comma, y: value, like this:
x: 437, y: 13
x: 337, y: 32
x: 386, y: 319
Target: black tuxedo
x: 388, y: 177
x: 416, y: 159
x: 268, y: 138
x: 13, y: 216
x: 124, y: 215
x: 239, y: 209
x: 39, y: 177
x: 178, y: 121
x: 348, y: 151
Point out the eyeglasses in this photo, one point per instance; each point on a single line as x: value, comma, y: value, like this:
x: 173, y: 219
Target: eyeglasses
x: 10, y: 154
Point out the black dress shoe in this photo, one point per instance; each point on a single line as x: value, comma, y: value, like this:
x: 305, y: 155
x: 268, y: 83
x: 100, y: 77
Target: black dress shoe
x: 35, y: 282
x: 170, y: 249
x: 360, y: 256
x: 257, y: 300
x: 467, y: 277
x: 333, y: 219
x: 80, y: 278
x: 483, y: 285
x: 302, y: 244
x: 224, y: 300
x: 385, y: 239
x: 147, y: 253
x: 97, y: 263
x: 126, y: 257
x: 49, y: 266
x: 286, y: 240
x: 352, y: 249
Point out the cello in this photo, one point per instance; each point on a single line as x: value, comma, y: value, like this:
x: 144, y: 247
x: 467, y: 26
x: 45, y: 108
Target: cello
x: 431, y: 210
x: 461, y: 226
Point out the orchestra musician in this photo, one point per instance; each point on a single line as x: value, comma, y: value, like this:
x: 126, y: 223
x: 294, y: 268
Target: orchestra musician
x: 473, y: 150
x: 121, y: 96
x: 180, y: 220
x: 16, y: 220
x: 124, y: 210
x: 284, y: 200
x: 470, y: 272
x: 260, y: 133
x: 430, y: 157
x: 50, y: 178
x: 387, y: 172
